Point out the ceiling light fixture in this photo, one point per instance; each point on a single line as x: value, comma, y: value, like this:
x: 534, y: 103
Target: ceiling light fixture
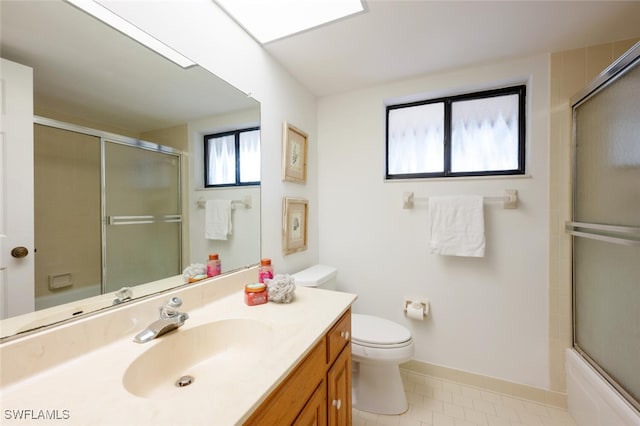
x: 269, y: 20
x: 108, y: 17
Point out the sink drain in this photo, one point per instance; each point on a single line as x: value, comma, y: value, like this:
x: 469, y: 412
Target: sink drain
x: 184, y: 381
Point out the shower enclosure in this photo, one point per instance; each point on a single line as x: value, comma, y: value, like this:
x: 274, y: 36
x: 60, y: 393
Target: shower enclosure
x: 606, y: 227
x: 108, y: 212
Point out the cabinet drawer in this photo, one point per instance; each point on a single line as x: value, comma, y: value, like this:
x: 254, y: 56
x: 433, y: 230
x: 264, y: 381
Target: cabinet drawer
x: 338, y: 337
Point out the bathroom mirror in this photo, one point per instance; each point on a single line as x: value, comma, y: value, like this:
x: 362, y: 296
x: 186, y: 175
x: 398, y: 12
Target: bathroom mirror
x: 88, y: 76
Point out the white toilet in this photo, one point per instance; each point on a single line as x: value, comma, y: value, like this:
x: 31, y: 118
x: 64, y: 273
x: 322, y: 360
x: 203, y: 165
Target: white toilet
x: 378, y: 347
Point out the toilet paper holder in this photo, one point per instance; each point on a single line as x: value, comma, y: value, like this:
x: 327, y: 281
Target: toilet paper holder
x: 412, y: 306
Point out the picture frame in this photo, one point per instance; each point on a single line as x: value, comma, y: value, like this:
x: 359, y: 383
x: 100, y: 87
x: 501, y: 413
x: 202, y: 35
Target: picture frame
x: 294, y: 154
x: 294, y: 224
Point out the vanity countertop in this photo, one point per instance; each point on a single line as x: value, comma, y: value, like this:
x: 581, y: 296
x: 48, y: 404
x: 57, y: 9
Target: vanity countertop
x: 89, y: 389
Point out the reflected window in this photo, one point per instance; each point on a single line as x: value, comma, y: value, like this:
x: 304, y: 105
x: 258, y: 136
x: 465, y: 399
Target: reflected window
x: 474, y: 134
x: 232, y: 158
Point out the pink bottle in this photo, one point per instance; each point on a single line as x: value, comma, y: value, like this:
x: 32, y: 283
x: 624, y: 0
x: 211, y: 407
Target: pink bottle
x: 214, y: 267
x: 265, y: 271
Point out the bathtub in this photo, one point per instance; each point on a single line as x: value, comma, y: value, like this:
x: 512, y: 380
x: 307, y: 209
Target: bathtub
x: 67, y: 296
x: 592, y: 400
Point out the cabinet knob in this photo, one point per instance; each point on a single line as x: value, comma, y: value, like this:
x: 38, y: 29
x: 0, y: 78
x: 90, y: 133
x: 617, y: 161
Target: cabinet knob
x: 345, y: 335
x: 337, y: 403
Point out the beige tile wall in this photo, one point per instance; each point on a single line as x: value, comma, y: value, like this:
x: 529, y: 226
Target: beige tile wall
x: 176, y: 137
x: 571, y: 70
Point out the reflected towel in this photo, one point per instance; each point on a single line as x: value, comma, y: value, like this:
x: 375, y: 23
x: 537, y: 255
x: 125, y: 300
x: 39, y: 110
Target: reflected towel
x: 217, y: 219
x: 457, y: 225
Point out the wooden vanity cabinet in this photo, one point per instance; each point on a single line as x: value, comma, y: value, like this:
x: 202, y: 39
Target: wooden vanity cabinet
x: 318, y: 391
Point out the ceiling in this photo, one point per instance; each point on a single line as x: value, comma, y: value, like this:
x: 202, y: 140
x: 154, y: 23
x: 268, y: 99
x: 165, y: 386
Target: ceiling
x: 400, y: 39
x: 392, y: 40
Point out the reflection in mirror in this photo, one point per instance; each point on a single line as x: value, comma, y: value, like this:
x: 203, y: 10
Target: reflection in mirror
x: 120, y: 198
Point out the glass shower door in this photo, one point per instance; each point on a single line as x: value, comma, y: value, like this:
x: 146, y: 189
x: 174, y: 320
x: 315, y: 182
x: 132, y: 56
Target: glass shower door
x: 606, y: 230
x: 142, y: 216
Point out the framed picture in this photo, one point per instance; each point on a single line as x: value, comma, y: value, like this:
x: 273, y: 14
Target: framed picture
x: 294, y: 154
x: 294, y: 225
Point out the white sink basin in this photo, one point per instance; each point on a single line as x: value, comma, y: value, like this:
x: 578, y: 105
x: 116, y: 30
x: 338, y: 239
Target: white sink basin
x: 211, y: 354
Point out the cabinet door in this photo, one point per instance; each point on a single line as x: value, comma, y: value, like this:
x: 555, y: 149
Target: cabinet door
x: 339, y: 389
x: 315, y: 411
x: 284, y: 404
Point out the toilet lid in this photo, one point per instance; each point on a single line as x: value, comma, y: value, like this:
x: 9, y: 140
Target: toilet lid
x: 376, y: 330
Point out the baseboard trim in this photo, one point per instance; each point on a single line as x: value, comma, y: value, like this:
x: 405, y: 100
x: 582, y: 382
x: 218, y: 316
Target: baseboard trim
x: 543, y: 396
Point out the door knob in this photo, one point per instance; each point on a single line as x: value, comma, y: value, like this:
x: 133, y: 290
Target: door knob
x: 19, y: 252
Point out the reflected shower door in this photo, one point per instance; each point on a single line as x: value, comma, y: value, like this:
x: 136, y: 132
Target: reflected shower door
x: 142, y: 210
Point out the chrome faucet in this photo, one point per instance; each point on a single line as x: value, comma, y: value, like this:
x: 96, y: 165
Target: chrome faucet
x: 170, y: 319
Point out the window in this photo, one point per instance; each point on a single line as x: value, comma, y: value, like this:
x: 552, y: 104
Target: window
x: 476, y: 134
x: 232, y: 158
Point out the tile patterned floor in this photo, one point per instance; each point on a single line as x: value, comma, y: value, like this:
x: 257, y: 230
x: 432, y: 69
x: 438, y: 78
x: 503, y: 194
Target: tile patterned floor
x: 439, y: 402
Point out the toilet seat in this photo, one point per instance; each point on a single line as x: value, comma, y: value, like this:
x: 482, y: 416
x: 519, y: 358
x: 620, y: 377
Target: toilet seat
x: 376, y: 332
x: 378, y: 346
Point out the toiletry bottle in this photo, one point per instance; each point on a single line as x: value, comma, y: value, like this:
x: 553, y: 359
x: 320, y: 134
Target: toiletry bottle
x: 214, y: 266
x: 265, y: 271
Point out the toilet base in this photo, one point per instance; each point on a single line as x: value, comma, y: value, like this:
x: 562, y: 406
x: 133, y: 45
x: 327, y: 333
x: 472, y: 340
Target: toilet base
x: 377, y: 388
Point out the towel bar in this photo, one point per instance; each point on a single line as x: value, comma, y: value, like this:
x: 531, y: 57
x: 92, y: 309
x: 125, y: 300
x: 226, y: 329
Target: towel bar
x: 509, y: 199
x: 245, y: 203
x: 624, y: 235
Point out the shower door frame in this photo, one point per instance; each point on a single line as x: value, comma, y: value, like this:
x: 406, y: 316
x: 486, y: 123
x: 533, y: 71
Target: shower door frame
x: 622, y: 235
x: 131, y: 142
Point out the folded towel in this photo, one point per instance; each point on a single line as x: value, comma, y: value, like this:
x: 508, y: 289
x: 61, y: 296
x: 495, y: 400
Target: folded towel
x: 457, y: 225
x: 217, y: 219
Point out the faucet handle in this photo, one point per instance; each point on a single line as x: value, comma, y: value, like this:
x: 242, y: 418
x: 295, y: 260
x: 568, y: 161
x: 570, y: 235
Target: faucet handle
x: 174, y: 302
x: 123, y: 295
x: 170, y: 308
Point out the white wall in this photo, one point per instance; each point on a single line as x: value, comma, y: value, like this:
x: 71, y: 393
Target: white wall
x: 202, y: 32
x: 489, y: 315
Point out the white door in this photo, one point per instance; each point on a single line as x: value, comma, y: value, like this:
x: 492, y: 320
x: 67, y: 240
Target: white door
x: 16, y: 190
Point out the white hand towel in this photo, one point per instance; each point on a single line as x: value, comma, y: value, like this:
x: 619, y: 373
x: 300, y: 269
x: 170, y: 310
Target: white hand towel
x: 217, y: 219
x: 457, y: 225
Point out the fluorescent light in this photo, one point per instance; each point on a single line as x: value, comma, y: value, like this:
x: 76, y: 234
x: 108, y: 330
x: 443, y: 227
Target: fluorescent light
x: 108, y: 17
x: 268, y: 20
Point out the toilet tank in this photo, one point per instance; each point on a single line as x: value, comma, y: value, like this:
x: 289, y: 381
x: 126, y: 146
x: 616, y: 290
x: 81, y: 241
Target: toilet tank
x: 320, y: 276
